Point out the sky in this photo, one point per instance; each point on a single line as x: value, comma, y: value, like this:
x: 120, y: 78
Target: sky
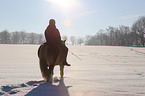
x: 73, y: 17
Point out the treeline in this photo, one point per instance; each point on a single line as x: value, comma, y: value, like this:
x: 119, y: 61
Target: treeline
x: 120, y: 36
x: 112, y: 36
x: 20, y: 37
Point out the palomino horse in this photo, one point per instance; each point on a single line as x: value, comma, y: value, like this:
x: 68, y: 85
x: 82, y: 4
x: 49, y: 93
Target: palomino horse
x: 50, y: 57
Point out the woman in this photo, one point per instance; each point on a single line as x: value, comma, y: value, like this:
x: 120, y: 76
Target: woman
x: 53, y: 39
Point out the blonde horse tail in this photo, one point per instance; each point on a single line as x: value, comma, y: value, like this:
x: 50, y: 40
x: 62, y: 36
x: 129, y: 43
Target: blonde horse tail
x: 43, y: 63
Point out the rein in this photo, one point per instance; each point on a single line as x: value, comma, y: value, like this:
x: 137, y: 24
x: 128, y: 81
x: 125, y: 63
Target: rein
x: 75, y: 55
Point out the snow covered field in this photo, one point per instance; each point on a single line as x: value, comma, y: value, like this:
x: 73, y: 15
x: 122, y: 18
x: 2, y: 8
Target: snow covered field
x: 102, y: 71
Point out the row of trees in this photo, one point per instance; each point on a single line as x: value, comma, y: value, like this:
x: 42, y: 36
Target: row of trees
x: 114, y: 36
x: 20, y: 37
x: 74, y: 40
x: 120, y: 36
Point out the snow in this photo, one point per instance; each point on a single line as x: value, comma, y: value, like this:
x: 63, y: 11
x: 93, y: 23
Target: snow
x: 102, y: 71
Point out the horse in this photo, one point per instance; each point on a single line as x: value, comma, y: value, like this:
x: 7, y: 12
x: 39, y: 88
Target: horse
x: 49, y: 57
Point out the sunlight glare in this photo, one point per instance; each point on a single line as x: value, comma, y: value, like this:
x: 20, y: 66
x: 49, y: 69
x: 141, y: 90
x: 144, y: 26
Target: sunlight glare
x: 62, y: 3
x: 67, y: 22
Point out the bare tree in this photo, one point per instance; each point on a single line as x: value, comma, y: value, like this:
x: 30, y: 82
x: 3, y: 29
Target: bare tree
x: 22, y: 37
x: 5, y: 37
x: 139, y: 27
x: 80, y: 40
x: 111, y: 33
x: 87, y: 39
x: 15, y: 37
x: 100, y: 37
x: 124, y: 32
x: 92, y: 40
x: 32, y: 37
x: 40, y: 38
x: 73, y: 40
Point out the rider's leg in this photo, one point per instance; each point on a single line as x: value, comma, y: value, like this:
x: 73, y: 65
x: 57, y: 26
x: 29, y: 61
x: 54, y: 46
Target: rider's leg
x: 65, y: 51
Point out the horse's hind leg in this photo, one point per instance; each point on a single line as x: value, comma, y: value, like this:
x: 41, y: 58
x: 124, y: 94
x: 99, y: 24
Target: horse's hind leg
x: 44, y: 69
x: 61, y: 71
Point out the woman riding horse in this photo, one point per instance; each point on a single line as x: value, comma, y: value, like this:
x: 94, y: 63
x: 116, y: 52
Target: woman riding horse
x: 53, y: 39
x: 53, y: 52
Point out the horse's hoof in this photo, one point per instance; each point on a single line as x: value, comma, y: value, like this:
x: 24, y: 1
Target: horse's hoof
x: 56, y: 79
x: 48, y: 81
x: 61, y: 79
x: 67, y: 65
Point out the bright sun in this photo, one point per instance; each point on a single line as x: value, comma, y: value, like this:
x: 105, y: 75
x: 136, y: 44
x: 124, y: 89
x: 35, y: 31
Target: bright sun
x: 62, y: 3
x: 67, y: 6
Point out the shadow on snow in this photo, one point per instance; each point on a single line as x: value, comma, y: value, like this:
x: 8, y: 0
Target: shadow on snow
x: 42, y: 89
x: 49, y: 89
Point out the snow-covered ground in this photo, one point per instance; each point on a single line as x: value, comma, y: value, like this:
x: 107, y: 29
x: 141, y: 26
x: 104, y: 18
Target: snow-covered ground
x: 102, y: 71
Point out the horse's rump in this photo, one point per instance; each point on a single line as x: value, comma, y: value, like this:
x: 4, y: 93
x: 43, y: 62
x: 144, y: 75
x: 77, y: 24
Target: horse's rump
x: 48, y: 53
